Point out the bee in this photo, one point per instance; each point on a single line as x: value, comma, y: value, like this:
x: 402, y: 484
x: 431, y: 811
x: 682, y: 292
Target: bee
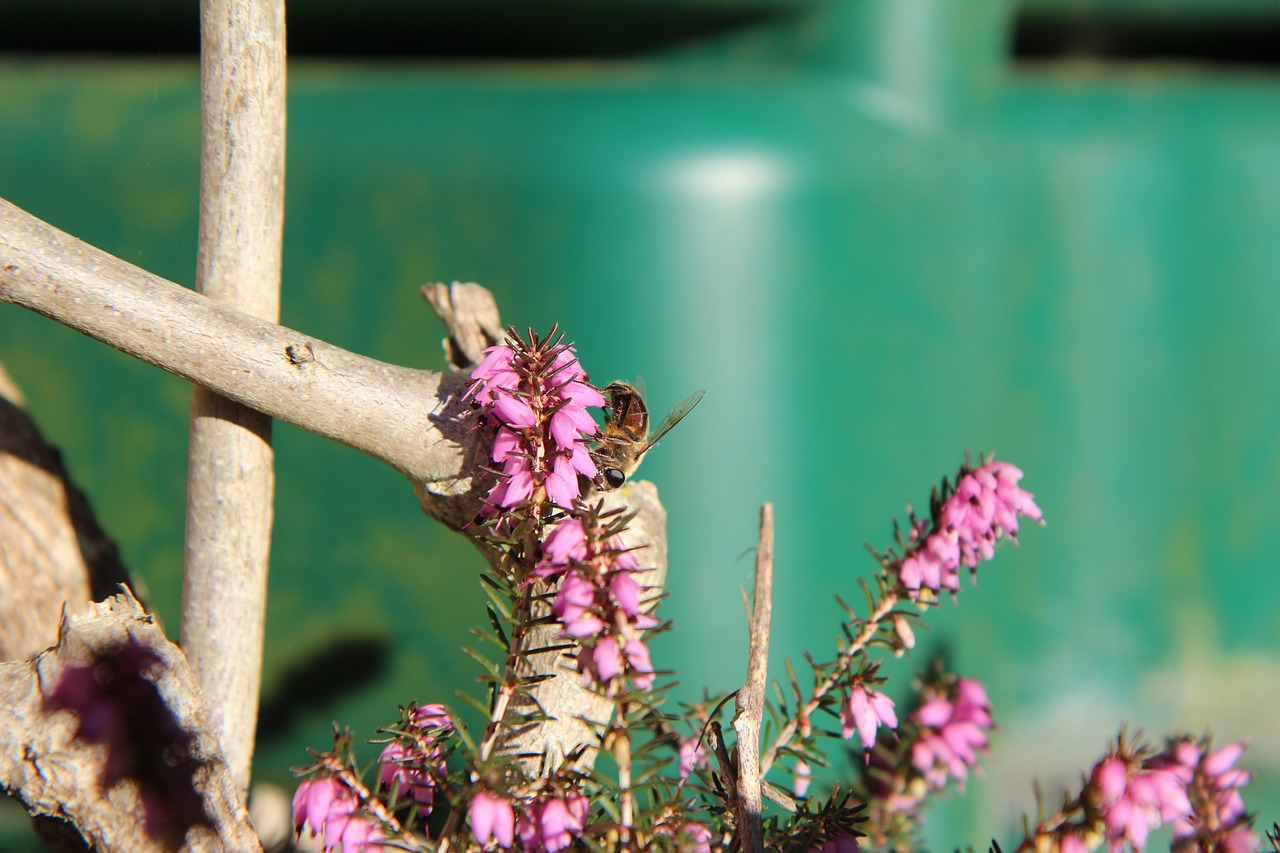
x: 626, y: 437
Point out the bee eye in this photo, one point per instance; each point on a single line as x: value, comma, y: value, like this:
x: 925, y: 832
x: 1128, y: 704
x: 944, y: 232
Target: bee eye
x: 614, y: 478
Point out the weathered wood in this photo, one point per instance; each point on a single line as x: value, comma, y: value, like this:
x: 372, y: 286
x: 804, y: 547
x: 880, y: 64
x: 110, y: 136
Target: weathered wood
x: 230, y: 478
x: 55, y: 774
x: 53, y: 554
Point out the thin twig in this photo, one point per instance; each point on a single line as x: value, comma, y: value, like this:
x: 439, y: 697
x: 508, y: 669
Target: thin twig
x: 841, y: 666
x: 750, y: 702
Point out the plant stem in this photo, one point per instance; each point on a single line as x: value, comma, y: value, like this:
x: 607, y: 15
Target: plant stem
x: 622, y: 755
x: 859, y: 644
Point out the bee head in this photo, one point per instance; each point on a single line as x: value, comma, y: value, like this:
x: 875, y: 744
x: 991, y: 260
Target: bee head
x: 612, y: 478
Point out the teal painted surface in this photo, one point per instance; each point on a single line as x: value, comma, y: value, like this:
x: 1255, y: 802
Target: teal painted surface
x: 1078, y: 270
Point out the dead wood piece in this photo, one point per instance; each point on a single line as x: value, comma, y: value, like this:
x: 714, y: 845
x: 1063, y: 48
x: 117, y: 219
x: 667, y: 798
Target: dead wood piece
x: 53, y: 553
x: 53, y: 773
x: 471, y: 317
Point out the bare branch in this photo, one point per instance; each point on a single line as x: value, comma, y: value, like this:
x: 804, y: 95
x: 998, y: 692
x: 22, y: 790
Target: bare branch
x: 750, y: 702
x: 52, y: 773
x: 230, y: 479
x: 410, y: 419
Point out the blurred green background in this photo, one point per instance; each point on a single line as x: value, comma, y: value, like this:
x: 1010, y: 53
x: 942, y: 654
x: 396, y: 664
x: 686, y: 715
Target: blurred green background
x: 879, y: 233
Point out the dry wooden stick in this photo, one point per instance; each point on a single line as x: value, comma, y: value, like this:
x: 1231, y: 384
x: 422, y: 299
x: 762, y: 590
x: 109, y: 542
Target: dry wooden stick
x: 750, y: 701
x: 230, y: 478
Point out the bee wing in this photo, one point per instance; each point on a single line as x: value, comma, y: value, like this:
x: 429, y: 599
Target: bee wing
x: 674, y: 417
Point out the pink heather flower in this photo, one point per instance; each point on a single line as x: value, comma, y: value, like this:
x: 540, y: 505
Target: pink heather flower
x: 953, y: 729
x: 603, y: 661
x: 352, y: 833
x: 492, y: 818
x: 696, y: 838
x: 1216, y: 818
x: 402, y: 761
x: 432, y: 716
x: 625, y: 590
x: 398, y: 774
x: 1134, y: 801
x: 982, y: 509
x: 562, y: 482
x: 551, y: 824
x: 638, y: 661
x: 331, y: 810
x: 497, y: 374
x: 574, y: 607
x: 1111, y: 778
x: 598, y: 602
x: 866, y: 710
x: 536, y: 393
x: 803, y: 775
x: 565, y: 545
x: 692, y: 754
x: 514, y: 412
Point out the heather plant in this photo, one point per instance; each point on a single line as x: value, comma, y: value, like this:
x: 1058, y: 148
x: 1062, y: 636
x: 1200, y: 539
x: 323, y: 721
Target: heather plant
x: 126, y: 742
x: 675, y: 778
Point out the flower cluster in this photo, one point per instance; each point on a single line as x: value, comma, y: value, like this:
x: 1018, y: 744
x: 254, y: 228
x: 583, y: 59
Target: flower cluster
x: 333, y: 812
x: 413, y: 765
x: 1218, y: 820
x: 939, y: 741
x: 537, y: 395
x: 1132, y: 792
x: 866, y: 710
x: 598, y: 603
x: 964, y: 528
x: 1136, y: 799
x: 1132, y: 797
x: 546, y: 823
x: 551, y: 822
x: 953, y: 729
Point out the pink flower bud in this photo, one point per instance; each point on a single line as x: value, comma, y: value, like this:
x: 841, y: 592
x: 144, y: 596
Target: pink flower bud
x: 802, y: 774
